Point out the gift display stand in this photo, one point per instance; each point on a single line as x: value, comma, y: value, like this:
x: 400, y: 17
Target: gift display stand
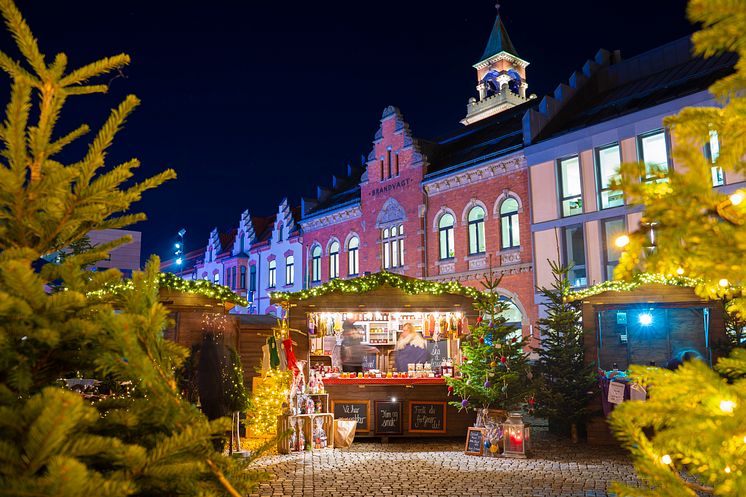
x: 287, y: 423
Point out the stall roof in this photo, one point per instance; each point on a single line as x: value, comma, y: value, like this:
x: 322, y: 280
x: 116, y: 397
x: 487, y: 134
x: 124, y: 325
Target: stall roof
x: 382, y: 291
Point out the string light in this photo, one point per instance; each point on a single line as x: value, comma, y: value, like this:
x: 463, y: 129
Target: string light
x: 727, y: 406
x: 267, y: 401
x: 622, y: 241
x: 666, y: 459
x: 724, y: 283
x: 371, y: 282
x: 727, y: 469
x: 628, y: 286
x: 737, y: 198
x: 680, y: 271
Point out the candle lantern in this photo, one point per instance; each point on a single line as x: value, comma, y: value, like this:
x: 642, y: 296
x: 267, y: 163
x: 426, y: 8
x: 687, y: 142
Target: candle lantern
x: 516, y: 436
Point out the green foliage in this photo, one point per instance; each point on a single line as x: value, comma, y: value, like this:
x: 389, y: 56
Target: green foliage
x: 147, y: 441
x: 564, y: 384
x: 494, y: 372
x: 236, y: 396
x: 689, y: 438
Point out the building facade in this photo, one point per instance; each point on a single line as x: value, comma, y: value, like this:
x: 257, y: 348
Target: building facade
x: 522, y: 181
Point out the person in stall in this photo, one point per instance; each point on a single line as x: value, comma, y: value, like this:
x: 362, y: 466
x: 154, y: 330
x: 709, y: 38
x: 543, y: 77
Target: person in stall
x: 411, y: 348
x: 353, y: 350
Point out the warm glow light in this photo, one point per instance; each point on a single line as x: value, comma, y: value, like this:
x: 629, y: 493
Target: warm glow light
x: 727, y: 405
x: 393, y: 399
x: 621, y: 241
x: 666, y: 459
x: 737, y: 198
x: 727, y: 469
x: 723, y: 283
x: 646, y: 319
x: 680, y: 271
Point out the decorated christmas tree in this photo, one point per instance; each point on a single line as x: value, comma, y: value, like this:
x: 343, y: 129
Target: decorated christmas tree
x: 689, y: 437
x: 493, y: 368
x: 266, y: 401
x: 140, y: 437
x: 563, y: 383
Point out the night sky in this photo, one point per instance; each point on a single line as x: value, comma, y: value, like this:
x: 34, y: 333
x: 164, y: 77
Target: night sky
x: 253, y: 101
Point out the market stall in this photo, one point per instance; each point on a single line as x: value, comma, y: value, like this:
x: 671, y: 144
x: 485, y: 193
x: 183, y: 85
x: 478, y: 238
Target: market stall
x: 386, y: 398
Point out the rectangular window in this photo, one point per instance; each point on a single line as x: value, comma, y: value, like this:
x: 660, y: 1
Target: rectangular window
x: 611, y: 229
x: 712, y: 152
x: 252, y: 279
x: 388, y: 159
x: 272, y: 276
x: 570, y: 187
x: 290, y: 270
x: 573, y: 250
x: 396, y: 164
x: 608, y: 160
x: 243, y: 277
x: 233, y: 277
x: 654, y: 153
x: 392, y: 247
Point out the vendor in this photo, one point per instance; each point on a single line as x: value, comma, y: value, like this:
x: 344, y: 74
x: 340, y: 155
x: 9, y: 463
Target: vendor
x: 353, y: 350
x: 411, y: 348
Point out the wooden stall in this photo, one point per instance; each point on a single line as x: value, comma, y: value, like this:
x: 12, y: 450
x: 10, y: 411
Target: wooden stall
x: 652, y: 324
x: 385, y: 406
x: 193, y: 314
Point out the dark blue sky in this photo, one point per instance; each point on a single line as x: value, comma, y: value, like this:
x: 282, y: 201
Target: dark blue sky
x: 253, y: 101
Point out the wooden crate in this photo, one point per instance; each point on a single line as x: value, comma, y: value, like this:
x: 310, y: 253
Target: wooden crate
x: 284, y: 425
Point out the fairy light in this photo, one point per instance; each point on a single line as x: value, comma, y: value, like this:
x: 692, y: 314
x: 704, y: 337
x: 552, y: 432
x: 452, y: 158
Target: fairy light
x: 666, y: 459
x: 724, y: 283
x: 737, y: 198
x: 727, y: 406
x: 628, y: 286
x: 621, y: 241
x: 680, y: 271
x: 727, y: 469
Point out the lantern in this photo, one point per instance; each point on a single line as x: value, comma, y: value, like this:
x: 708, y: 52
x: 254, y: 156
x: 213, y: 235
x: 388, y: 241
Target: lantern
x: 516, y: 436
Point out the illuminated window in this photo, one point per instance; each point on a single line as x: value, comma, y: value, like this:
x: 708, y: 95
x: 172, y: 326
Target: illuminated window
x: 445, y: 236
x: 612, y: 228
x: 290, y: 270
x: 654, y: 153
x: 476, y: 230
x: 334, y: 260
x: 573, y: 245
x: 252, y: 279
x: 510, y: 229
x: 272, y: 275
x: 392, y: 244
x: 216, y: 278
x: 316, y: 264
x: 233, y: 277
x: 608, y: 160
x: 712, y: 152
x: 570, y: 187
x: 353, y: 253
x: 243, y: 278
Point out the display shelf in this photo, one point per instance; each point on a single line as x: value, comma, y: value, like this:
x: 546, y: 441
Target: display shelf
x: 285, y: 425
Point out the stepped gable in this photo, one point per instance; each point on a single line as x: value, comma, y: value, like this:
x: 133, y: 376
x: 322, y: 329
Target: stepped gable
x: 622, y: 86
x: 245, y: 228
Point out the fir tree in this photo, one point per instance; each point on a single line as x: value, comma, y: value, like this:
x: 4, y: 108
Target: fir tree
x: 689, y: 437
x: 494, y: 365
x: 563, y: 382
x: 147, y: 441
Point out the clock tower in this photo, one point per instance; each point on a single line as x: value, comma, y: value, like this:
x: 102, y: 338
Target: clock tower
x: 501, y: 77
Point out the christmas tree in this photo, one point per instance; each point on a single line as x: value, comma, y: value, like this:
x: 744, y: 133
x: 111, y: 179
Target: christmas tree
x: 493, y: 368
x: 266, y: 402
x: 142, y: 437
x: 689, y: 437
x: 563, y: 382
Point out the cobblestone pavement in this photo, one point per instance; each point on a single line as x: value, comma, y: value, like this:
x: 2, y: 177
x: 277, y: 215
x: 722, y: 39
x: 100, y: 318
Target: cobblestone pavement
x: 439, y: 468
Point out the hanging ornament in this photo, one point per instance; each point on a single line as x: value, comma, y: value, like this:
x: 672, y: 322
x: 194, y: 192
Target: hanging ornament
x: 464, y: 403
x: 514, y: 339
x: 498, y: 346
x: 493, y: 449
x: 450, y: 389
x: 481, y: 339
x: 464, y: 358
x: 493, y: 364
x: 492, y: 324
x: 479, y: 320
x: 503, y: 359
x: 487, y: 384
x: 504, y: 388
x: 468, y: 382
x: 487, y: 444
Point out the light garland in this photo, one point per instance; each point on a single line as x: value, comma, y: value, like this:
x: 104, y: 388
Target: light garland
x: 628, y: 286
x: 267, y: 400
x: 371, y: 282
x: 170, y: 281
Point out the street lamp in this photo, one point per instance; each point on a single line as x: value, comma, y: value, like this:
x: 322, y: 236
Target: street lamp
x: 179, y: 247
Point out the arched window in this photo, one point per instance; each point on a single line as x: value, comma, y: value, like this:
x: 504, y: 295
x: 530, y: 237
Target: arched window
x: 476, y: 230
x: 353, y: 261
x: 316, y: 264
x: 334, y: 260
x: 510, y: 231
x: 272, y: 276
x: 216, y: 278
x: 243, y: 278
x: 252, y: 279
x: 290, y: 270
x: 445, y: 236
x: 392, y: 246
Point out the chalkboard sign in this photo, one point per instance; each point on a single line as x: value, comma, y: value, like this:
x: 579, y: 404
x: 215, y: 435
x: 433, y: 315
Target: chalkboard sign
x: 438, y: 353
x: 353, y: 409
x: 388, y: 418
x: 427, y: 417
x: 474, y: 442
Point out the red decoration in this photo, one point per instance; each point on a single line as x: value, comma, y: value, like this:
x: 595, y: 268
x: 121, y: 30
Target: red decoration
x: 450, y: 389
x: 503, y: 359
x: 290, y: 355
x: 481, y: 339
x: 514, y: 340
x: 479, y: 320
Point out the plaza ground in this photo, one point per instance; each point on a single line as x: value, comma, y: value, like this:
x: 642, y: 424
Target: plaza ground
x: 439, y: 468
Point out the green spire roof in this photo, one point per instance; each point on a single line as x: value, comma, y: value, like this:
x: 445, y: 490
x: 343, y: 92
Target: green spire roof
x: 499, y: 41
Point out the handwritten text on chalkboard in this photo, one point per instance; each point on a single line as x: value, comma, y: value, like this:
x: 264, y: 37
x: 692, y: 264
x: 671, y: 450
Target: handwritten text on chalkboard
x: 427, y: 417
